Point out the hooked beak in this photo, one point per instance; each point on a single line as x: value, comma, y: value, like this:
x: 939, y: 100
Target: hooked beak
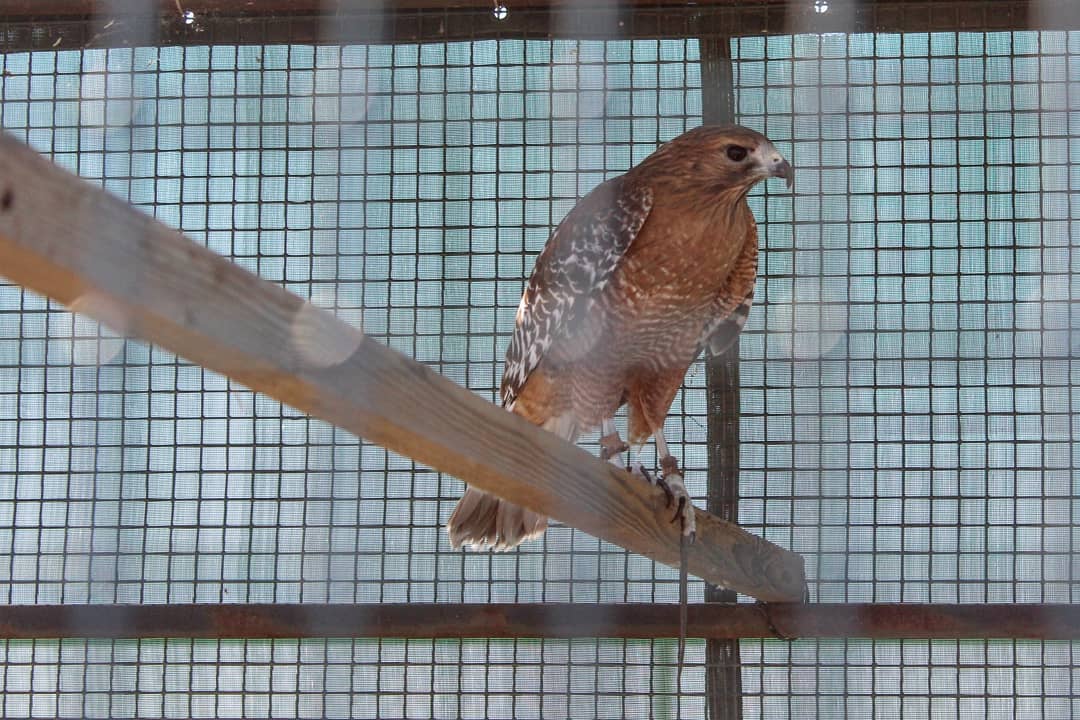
x: 781, y: 168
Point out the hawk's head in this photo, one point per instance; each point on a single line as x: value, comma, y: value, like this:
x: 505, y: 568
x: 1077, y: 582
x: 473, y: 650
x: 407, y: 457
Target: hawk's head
x: 725, y: 157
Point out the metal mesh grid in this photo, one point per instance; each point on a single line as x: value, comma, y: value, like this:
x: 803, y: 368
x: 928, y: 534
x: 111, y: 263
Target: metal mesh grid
x: 340, y: 678
x: 908, y: 384
x: 906, y: 375
x: 407, y: 188
x: 907, y: 417
x: 527, y: 679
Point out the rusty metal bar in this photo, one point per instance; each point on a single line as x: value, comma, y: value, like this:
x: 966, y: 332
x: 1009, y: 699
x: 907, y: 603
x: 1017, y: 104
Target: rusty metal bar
x: 554, y: 620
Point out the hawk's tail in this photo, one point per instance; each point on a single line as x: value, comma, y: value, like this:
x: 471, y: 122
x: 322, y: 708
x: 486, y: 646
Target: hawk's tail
x: 482, y: 521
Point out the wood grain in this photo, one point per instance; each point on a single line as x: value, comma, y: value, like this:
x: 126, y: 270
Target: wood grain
x: 71, y: 241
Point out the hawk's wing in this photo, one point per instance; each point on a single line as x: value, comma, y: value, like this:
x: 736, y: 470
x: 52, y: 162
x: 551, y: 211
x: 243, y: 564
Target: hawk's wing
x: 721, y: 331
x: 575, y: 265
x: 721, y: 334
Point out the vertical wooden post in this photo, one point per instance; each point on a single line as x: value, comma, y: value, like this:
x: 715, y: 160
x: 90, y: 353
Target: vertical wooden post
x: 723, y: 671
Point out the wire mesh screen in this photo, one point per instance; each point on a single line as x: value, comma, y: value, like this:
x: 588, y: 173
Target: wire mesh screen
x: 485, y: 679
x: 407, y: 188
x: 908, y: 379
x: 917, y: 323
x: 907, y: 386
x: 339, y: 678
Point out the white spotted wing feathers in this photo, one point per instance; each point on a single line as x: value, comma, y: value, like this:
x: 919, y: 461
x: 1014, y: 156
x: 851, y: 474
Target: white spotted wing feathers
x: 575, y: 266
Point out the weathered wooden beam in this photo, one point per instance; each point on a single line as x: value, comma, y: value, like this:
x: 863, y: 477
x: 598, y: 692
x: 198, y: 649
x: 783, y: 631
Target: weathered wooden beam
x: 74, y: 242
x: 549, y: 620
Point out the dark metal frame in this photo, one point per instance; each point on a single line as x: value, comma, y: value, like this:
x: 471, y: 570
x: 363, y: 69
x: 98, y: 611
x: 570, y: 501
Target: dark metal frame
x: 65, y: 23
x: 723, y: 674
x: 108, y: 23
x: 83, y: 23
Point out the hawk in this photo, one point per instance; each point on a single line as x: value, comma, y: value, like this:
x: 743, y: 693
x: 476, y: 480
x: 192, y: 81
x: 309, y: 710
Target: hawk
x: 647, y: 271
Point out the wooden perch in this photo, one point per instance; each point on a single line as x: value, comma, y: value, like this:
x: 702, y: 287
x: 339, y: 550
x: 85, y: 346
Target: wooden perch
x: 74, y: 242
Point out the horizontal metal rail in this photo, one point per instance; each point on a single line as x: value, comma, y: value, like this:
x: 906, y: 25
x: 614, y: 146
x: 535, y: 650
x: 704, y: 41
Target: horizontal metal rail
x: 547, y: 620
x: 72, y: 24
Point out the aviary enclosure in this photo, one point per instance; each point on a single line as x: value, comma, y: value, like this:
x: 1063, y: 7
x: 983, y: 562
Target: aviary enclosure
x: 899, y: 418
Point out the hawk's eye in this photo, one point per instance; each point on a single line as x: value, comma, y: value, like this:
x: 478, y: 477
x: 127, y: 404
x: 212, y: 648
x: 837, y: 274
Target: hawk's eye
x: 736, y: 153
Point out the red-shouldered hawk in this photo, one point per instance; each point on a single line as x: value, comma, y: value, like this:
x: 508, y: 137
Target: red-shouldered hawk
x: 646, y: 271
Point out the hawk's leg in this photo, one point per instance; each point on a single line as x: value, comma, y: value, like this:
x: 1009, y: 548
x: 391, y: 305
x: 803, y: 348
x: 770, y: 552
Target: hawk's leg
x: 611, y: 445
x: 611, y: 449
x: 638, y: 468
x: 675, y: 488
x: 672, y: 481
